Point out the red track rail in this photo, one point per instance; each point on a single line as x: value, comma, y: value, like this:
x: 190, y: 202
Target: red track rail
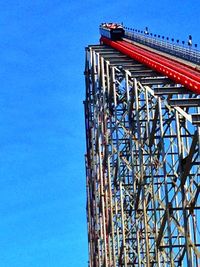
x: 176, y: 71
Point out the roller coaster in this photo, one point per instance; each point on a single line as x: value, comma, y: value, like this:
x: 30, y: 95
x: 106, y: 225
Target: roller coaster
x: 142, y: 121
x: 129, y: 43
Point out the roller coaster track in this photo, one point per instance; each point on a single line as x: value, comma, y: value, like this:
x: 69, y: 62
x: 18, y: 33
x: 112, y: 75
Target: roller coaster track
x: 179, y: 72
x: 142, y: 121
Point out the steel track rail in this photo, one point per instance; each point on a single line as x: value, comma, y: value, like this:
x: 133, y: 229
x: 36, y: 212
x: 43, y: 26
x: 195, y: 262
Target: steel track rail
x: 176, y: 71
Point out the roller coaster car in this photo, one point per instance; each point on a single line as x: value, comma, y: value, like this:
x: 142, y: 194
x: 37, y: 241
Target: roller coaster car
x: 112, y: 31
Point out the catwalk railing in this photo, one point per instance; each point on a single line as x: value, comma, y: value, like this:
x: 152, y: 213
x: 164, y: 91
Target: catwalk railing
x: 142, y: 164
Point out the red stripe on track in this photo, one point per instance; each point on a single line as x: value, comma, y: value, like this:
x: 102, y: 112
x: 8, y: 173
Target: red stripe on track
x: 176, y: 71
x: 168, y: 62
x: 193, y: 68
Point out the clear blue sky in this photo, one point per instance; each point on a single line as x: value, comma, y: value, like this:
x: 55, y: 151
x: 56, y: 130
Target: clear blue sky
x: 42, y: 138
